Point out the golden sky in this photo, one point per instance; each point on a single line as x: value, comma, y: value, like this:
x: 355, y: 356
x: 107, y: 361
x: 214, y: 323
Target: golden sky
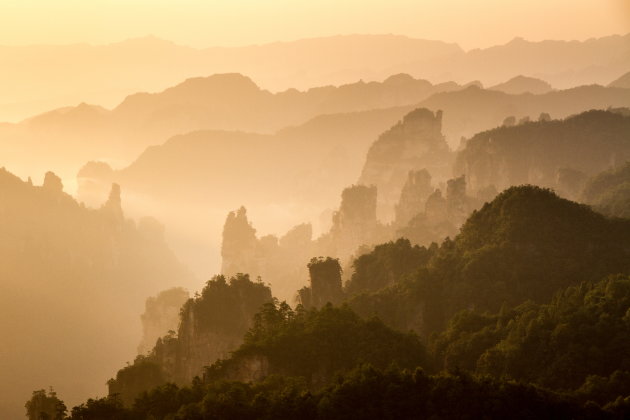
x: 203, y: 23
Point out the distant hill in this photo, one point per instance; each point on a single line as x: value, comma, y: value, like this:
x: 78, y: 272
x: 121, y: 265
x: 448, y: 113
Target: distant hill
x: 621, y: 82
x: 472, y: 110
x: 525, y: 244
x: 218, y: 102
x: 74, y: 281
x: 563, y: 64
x: 67, y: 138
x: 557, y: 154
x: 523, y: 84
x: 38, y: 78
x: 609, y: 191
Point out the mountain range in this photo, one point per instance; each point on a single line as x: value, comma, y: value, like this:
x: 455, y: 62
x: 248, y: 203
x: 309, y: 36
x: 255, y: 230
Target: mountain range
x: 42, y: 77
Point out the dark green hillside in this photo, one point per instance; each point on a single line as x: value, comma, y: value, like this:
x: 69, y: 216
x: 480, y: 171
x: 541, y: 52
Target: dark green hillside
x: 609, y: 192
x: 581, y: 337
x: 526, y: 244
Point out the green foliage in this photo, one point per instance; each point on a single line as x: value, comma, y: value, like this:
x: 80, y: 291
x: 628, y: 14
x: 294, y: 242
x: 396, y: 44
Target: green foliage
x: 223, y: 309
x: 530, y: 307
x: 109, y: 408
x: 133, y: 379
x: 528, y: 243
x: 604, y: 181
x: 535, y: 152
x: 387, y: 264
x: 524, y: 245
x: 226, y: 307
x: 581, y: 339
x: 159, y: 402
x: 366, y: 393
x: 609, y: 192
x: 317, y: 344
x: 45, y: 406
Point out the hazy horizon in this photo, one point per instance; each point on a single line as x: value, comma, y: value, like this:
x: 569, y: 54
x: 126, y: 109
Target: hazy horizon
x: 246, y: 22
x: 149, y: 36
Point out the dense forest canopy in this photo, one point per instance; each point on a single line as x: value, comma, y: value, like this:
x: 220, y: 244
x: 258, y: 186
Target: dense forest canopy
x: 511, y: 306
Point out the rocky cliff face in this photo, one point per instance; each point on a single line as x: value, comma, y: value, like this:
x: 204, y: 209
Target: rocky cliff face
x: 436, y: 217
x: 279, y: 261
x: 324, y: 283
x: 413, y: 144
x: 239, y: 248
x: 212, y: 324
x: 194, y: 348
x: 354, y: 224
x: 413, y: 196
x: 161, y: 315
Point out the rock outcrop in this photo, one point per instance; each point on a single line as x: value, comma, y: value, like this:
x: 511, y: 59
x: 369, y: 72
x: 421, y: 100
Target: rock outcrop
x: 413, y: 196
x: 413, y: 144
x: 354, y: 224
x: 280, y: 261
x: 240, y: 245
x: 161, y: 315
x: 212, y: 324
x: 324, y: 285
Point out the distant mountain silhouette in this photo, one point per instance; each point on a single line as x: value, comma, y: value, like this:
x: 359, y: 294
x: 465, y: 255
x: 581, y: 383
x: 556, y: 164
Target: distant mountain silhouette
x: 563, y: 64
x: 68, y: 137
x: 37, y: 78
x: 472, y: 110
x: 523, y: 84
x: 621, y: 82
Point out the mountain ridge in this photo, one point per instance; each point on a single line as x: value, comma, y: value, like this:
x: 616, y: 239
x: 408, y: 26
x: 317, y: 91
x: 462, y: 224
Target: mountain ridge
x: 66, y: 72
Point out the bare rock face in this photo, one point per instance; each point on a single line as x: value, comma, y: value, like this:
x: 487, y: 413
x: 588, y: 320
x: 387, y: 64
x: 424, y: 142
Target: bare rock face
x: 211, y: 325
x: 94, y: 179
x: 198, y: 347
x: 161, y: 315
x: 354, y: 224
x: 113, y: 205
x: 281, y: 262
x: 325, y: 283
x: 413, y: 144
x: 457, y: 203
x: 251, y: 368
x: 413, y: 196
x: 436, y: 208
x: 52, y: 183
x: 441, y: 216
x: 239, y: 245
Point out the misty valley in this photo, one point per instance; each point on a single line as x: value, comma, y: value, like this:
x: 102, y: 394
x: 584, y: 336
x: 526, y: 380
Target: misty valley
x: 408, y: 230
